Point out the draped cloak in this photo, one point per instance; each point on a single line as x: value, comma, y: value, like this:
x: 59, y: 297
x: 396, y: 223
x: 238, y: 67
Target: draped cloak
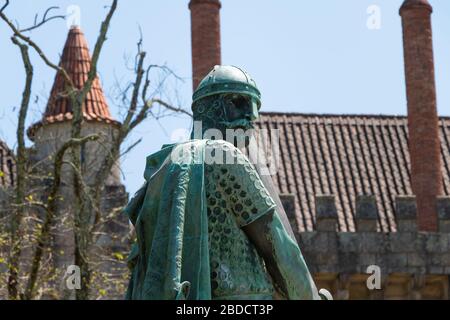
x: 170, y: 259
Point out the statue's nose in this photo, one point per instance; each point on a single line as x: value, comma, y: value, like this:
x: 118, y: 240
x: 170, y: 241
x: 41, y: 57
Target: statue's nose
x: 254, y: 111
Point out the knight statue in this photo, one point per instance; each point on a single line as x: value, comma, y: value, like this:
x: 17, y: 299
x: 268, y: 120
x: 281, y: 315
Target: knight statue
x: 208, y: 224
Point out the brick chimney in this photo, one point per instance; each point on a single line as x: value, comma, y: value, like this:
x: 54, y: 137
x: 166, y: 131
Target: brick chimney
x: 424, y: 144
x: 205, y: 34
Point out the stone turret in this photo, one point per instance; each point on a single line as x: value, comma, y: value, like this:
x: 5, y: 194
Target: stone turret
x: 50, y: 133
x: 53, y: 130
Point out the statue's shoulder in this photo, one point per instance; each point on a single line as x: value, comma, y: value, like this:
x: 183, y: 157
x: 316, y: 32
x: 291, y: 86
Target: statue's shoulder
x: 221, y: 144
x: 224, y: 152
x: 195, y: 143
x: 226, y: 147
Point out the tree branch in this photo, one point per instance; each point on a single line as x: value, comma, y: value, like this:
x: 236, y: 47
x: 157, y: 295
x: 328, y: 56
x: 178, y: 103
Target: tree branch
x: 32, y: 44
x: 97, y: 49
x: 21, y: 161
x: 44, y: 20
x: 131, y: 147
x: 82, y: 204
x: 148, y: 105
x: 172, y: 108
x: 51, y: 209
x: 4, y: 6
x: 136, y: 89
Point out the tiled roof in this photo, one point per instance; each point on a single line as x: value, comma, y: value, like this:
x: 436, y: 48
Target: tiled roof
x: 346, y: 155
x: 76, y: 61
x: 7, y: 166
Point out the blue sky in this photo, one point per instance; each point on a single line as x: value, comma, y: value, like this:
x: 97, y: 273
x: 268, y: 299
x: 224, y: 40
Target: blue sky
x: 306, y: 56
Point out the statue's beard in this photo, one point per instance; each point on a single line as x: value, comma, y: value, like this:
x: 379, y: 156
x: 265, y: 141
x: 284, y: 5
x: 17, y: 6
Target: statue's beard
x: 244, y: 131
x: 243, y: 124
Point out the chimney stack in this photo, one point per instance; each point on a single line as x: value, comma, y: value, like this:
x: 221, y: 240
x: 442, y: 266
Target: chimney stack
x: 424, y: 144
x: 205, y: 34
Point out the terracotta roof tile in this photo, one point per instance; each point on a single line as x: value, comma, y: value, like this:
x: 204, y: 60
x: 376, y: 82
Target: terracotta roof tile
x: 76, y: 60
x: 346, y: 155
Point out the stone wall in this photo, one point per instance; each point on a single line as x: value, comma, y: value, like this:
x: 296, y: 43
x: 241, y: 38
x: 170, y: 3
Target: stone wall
x: 7, y: 166
x: 413, y: 265
x: 49, y: 139
x: 110, y: 251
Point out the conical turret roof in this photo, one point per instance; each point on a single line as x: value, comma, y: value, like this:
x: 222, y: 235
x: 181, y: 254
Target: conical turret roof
x: 76, y: 60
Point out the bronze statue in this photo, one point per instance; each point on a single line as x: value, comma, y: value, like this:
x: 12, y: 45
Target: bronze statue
x: 208, y: 224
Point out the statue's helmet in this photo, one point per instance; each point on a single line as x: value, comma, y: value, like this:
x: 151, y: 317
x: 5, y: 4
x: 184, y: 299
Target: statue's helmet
x: 227, y: 79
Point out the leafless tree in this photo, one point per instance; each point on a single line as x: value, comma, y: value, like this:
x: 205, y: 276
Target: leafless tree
x: 88, y: 216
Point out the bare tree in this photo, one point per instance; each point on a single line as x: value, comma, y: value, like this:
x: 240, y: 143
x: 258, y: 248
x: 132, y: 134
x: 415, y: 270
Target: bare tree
x: 88, y: 216
x: 21, y: 171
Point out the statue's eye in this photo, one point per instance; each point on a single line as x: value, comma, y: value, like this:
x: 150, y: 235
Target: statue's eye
x: 240, y: 102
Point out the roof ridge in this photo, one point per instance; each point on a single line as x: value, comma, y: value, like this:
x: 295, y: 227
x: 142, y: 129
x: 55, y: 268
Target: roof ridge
x: 343, y: 115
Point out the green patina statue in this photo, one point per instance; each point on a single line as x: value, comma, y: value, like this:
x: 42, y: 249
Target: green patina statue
x: 208, y: 224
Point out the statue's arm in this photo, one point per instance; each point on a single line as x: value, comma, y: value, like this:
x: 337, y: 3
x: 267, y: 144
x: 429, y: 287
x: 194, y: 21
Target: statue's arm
x: 282, y: 257
x: 256, y: 213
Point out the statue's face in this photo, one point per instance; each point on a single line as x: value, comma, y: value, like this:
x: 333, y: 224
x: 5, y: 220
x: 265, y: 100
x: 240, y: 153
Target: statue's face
x: 231, y: 114
x: 240, y: 111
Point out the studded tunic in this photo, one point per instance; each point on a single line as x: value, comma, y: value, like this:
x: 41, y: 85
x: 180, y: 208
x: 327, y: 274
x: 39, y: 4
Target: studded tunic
x: 236, y: 197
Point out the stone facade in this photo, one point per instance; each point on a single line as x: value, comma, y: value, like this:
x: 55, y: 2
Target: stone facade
x: 413, y: 264
x: 7, y: 176
x: 7, y: 166
x: 48, y: 139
